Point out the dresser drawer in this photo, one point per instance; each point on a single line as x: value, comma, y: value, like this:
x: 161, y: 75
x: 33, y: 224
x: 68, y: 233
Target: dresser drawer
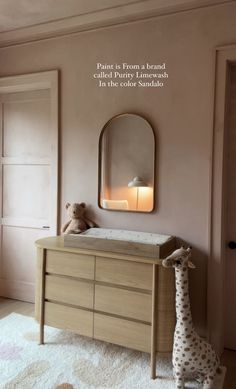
x: 122, y: 332
x: 65, y: 263
x: 69, y: 318
x: 70, y: 291
x: 123, y: 302
x: 127, y: 273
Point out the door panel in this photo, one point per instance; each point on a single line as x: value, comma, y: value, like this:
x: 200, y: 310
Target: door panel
x: 29, y: 142
x: 27, y: 117
x: 19, y: 252
x: 230, y: 284
x: 26, y: 191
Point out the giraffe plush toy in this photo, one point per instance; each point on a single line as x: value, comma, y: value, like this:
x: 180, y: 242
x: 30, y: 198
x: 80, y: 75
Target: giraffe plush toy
x: 192, y: 356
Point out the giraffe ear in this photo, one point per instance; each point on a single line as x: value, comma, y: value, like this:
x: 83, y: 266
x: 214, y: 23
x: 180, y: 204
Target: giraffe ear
x: 191, y: 265
x: 166, y: 263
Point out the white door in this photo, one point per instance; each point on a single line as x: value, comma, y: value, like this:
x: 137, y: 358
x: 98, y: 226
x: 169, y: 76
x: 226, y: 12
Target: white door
x: 28, y: 183
x: 230, y: 283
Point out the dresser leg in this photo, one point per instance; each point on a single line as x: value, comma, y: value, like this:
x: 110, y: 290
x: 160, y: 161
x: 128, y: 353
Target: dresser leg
x: 42, y: 298
x: 154, y: 323
x: 41, y: 334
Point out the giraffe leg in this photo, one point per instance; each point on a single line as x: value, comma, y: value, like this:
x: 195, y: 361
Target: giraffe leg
x: 208, y: 382
x: 179, y: 381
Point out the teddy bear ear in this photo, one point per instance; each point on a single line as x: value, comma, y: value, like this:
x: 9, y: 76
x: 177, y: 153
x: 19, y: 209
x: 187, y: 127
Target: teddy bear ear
x: 67, y: 205
x: 83, y: 205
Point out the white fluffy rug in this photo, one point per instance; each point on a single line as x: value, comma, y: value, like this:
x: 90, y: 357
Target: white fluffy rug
x: 70, y: 361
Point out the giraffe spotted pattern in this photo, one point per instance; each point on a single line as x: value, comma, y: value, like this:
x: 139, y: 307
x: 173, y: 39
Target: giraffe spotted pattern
x: 192, y: 356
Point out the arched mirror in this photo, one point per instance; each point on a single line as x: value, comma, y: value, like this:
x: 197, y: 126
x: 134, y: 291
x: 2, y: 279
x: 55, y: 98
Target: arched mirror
x: 127, y: 164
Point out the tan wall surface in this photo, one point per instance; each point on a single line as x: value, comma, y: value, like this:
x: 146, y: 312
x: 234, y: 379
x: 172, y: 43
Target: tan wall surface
x: 181, y: 114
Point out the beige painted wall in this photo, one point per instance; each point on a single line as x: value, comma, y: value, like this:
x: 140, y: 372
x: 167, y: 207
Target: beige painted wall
x: 181, y: 114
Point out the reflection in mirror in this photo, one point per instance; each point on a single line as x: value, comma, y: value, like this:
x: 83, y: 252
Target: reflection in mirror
x: 126, y: 164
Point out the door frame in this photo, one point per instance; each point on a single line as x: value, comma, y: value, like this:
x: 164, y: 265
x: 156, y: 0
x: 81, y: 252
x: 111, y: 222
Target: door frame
x: 33, y: 82
x: 224, y: 57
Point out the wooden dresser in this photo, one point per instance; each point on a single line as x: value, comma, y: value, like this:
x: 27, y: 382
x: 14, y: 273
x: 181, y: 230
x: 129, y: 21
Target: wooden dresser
x: 124, y: 299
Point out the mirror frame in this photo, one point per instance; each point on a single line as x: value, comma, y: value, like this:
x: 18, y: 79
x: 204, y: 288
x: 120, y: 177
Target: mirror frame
x: 100, y: 163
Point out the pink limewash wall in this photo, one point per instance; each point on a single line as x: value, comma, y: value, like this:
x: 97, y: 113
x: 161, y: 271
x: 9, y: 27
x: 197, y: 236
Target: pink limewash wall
x: 181, y: 114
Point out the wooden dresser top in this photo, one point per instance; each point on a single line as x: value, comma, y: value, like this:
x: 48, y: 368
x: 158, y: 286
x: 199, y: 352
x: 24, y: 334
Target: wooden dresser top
x: 131, y: 251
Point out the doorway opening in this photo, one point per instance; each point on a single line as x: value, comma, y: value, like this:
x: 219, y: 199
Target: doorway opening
x: 224, y: 146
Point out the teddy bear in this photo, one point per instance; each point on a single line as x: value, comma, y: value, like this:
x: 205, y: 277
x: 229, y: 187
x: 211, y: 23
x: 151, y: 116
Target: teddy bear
x: 78, y: 222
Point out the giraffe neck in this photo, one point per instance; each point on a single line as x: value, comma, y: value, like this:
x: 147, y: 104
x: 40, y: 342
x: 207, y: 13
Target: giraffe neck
x: 183, y: 310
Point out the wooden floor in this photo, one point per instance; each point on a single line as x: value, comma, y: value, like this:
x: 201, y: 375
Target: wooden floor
x: 8, y: 306
x: 228, y: 359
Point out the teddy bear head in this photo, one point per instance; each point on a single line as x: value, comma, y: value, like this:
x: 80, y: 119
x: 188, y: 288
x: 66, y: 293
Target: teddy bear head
x: 75, y: 210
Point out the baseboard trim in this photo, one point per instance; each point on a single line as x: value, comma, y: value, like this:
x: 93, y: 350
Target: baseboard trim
x: 18, y: 290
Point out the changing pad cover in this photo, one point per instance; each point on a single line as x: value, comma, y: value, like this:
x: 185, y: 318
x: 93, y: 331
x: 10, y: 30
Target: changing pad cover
x: 145, y: 244
x: 129, y: 236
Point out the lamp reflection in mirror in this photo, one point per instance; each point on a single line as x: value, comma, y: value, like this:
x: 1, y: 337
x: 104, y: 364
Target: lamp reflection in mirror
x: 137, y: 182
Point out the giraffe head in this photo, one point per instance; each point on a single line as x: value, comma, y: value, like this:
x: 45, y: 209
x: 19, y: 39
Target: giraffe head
x: 179, y: 259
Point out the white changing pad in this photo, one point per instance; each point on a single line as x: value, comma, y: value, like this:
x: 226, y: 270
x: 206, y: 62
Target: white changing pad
x: 145, y: 244
x: 125, y: 235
